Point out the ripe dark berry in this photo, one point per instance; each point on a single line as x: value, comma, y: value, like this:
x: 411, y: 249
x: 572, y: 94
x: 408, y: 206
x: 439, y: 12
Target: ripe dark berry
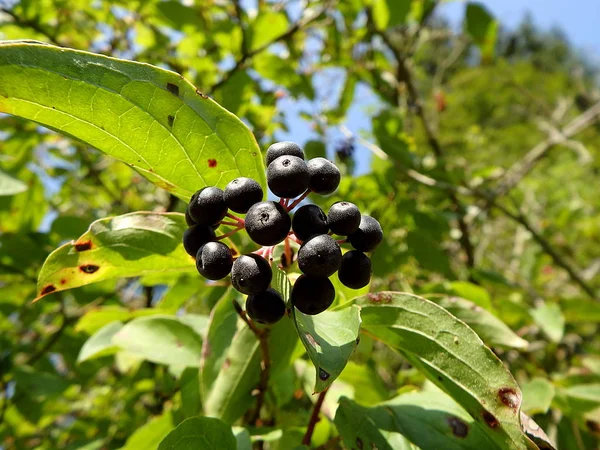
x: 343, y: 218
x: 283, y: 148
x: 240, y: 194
x: 266, y: 307
x: 355, y: 270
x: 320, y: 256
x: 195, y: 237
x: 214, y: 260
x: 309, y: 221
x: 251, y: 274
x: 312, y: 295
x: 207, y: 206
x: 368, y: 236
x: 268, y: 223
x: 287, y: 176
x: 188, y: 218
x: 324, y: 176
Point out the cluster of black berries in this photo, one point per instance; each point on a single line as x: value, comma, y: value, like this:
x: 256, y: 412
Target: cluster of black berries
x: 268, y: 223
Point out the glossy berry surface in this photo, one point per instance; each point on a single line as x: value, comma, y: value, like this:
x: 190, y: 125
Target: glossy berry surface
x: 240, y: 194
x: 268, y: 223
x: 188, y: 218
x: 308, y: 221
x: 355, y: 270
x: 287, y: 176
x: 283, y: 148
x: 368, y: 236
x: 324, y: 176
x: 251, y: 274
x: 207, y: 206
x: 214, y: 260
x: 343, y: 218
x: 312, y: 295
x: 320, y: 256
x: 266, y: 307
x: 195, y: 237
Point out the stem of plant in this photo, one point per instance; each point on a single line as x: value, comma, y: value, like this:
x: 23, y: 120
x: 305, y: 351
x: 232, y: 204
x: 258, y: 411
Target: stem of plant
x: 293, y: 237
x: 231, y: 224
x: 298, y: 200
x: 314, y: 418
x: 239, y: 220
x: 230, y: 233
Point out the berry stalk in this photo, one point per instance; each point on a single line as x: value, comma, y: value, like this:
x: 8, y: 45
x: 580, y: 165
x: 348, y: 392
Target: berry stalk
x: 298, y: 200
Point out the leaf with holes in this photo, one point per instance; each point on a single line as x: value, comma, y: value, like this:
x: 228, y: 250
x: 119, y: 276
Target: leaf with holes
x: 329, y: 339
x: 148, y: 117
x: 427, y: 419
x: 124, y: 246
x: 161, y: 339
x: 451, y: 355
x: 200, y: 432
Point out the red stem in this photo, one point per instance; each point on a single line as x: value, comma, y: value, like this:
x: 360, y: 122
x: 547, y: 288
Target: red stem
x: 239, y: 220
x: 229, y: 233
x: 293, y: 237
x: 314, y: 418
x: 231, y: 224
x: 298, y: 200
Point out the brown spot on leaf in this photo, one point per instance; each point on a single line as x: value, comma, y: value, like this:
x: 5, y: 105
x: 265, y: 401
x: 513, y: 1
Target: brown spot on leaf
x: 178, y: 344
x: 227, y: 363
x: 594, y: 427
x: 510, y: 397
x: 83, y: 246
x: 212, y: 163
x: 459, y: 428
x: 381, y: 297
x: 490, y: 419
x: 173, y: 89
x: 170, y: 120
x: 358, y: 340
x: 201, y: 94
x: 47, y: 289
x: 359, y: 442
x: 311, y: 340
x: 323, y: 375
x: 89, y: 268
x: 63, y: 281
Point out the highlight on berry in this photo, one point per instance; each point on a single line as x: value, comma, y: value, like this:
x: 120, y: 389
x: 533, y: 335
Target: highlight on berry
x: 314, y: 244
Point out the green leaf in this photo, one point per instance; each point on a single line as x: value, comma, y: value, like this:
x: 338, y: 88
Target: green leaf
x: 482, y: 27
x: 118, y: 247
x: 98, y: 317
x: 580, y: 310
x: 191, y: 402
x: 451, y: 355
x: 10, y: 185
x: 243, y: 438
x: 329, y: 339
x: 281, y: 283
x: 200, y: 432
x: 473, y: 293
x: 161, y: 339
x: 389, y: 13
x: 490, y: 329
x: 150, y: 118
x: 267, y: 26
x: 149, y: 435
x: 100, y: 344
x: 537, y: 396
x: 550, y: 320
x: 427, y: 419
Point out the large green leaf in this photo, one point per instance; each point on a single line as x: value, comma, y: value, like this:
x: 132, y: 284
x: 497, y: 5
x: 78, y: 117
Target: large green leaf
x: 451, y: 355
x: 427, y: 419
x: 200, y: 432
x: 329, y: 339
x: 149, y: 435
x: 148, y: 117
x: 100, y: 344
x: 161, y: 339
x: 124, y: 246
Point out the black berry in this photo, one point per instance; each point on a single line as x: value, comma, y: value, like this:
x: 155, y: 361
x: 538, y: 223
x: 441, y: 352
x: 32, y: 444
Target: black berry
x: 214, y: 260
x: 287, y: 176
x: 368, y: 236
x: 312, y: 295
x: 251, y: 274
x: 343, y: 218
x: 188, y: 218
x: 266, y: 307
x: 309, y: 221
x: 355, y: 270
x: 207, y: 206
x: 267, y: 223
x: 283, y: 148
x: 324, y: 176
x: 320, y: 256
x: 195, y: 237
x: 240, y: 194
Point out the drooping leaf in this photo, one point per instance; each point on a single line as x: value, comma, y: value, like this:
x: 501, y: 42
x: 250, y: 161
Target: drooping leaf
x: 10, y: 185
x: 124, y: 246
x: 200, y: 432
x: 329, y: 339
x: 150, y: 118
x: 100, y: 344
x: 550, y: 320
x: 490, y: 329
x: 451, y: 355
x: 161, y: 339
